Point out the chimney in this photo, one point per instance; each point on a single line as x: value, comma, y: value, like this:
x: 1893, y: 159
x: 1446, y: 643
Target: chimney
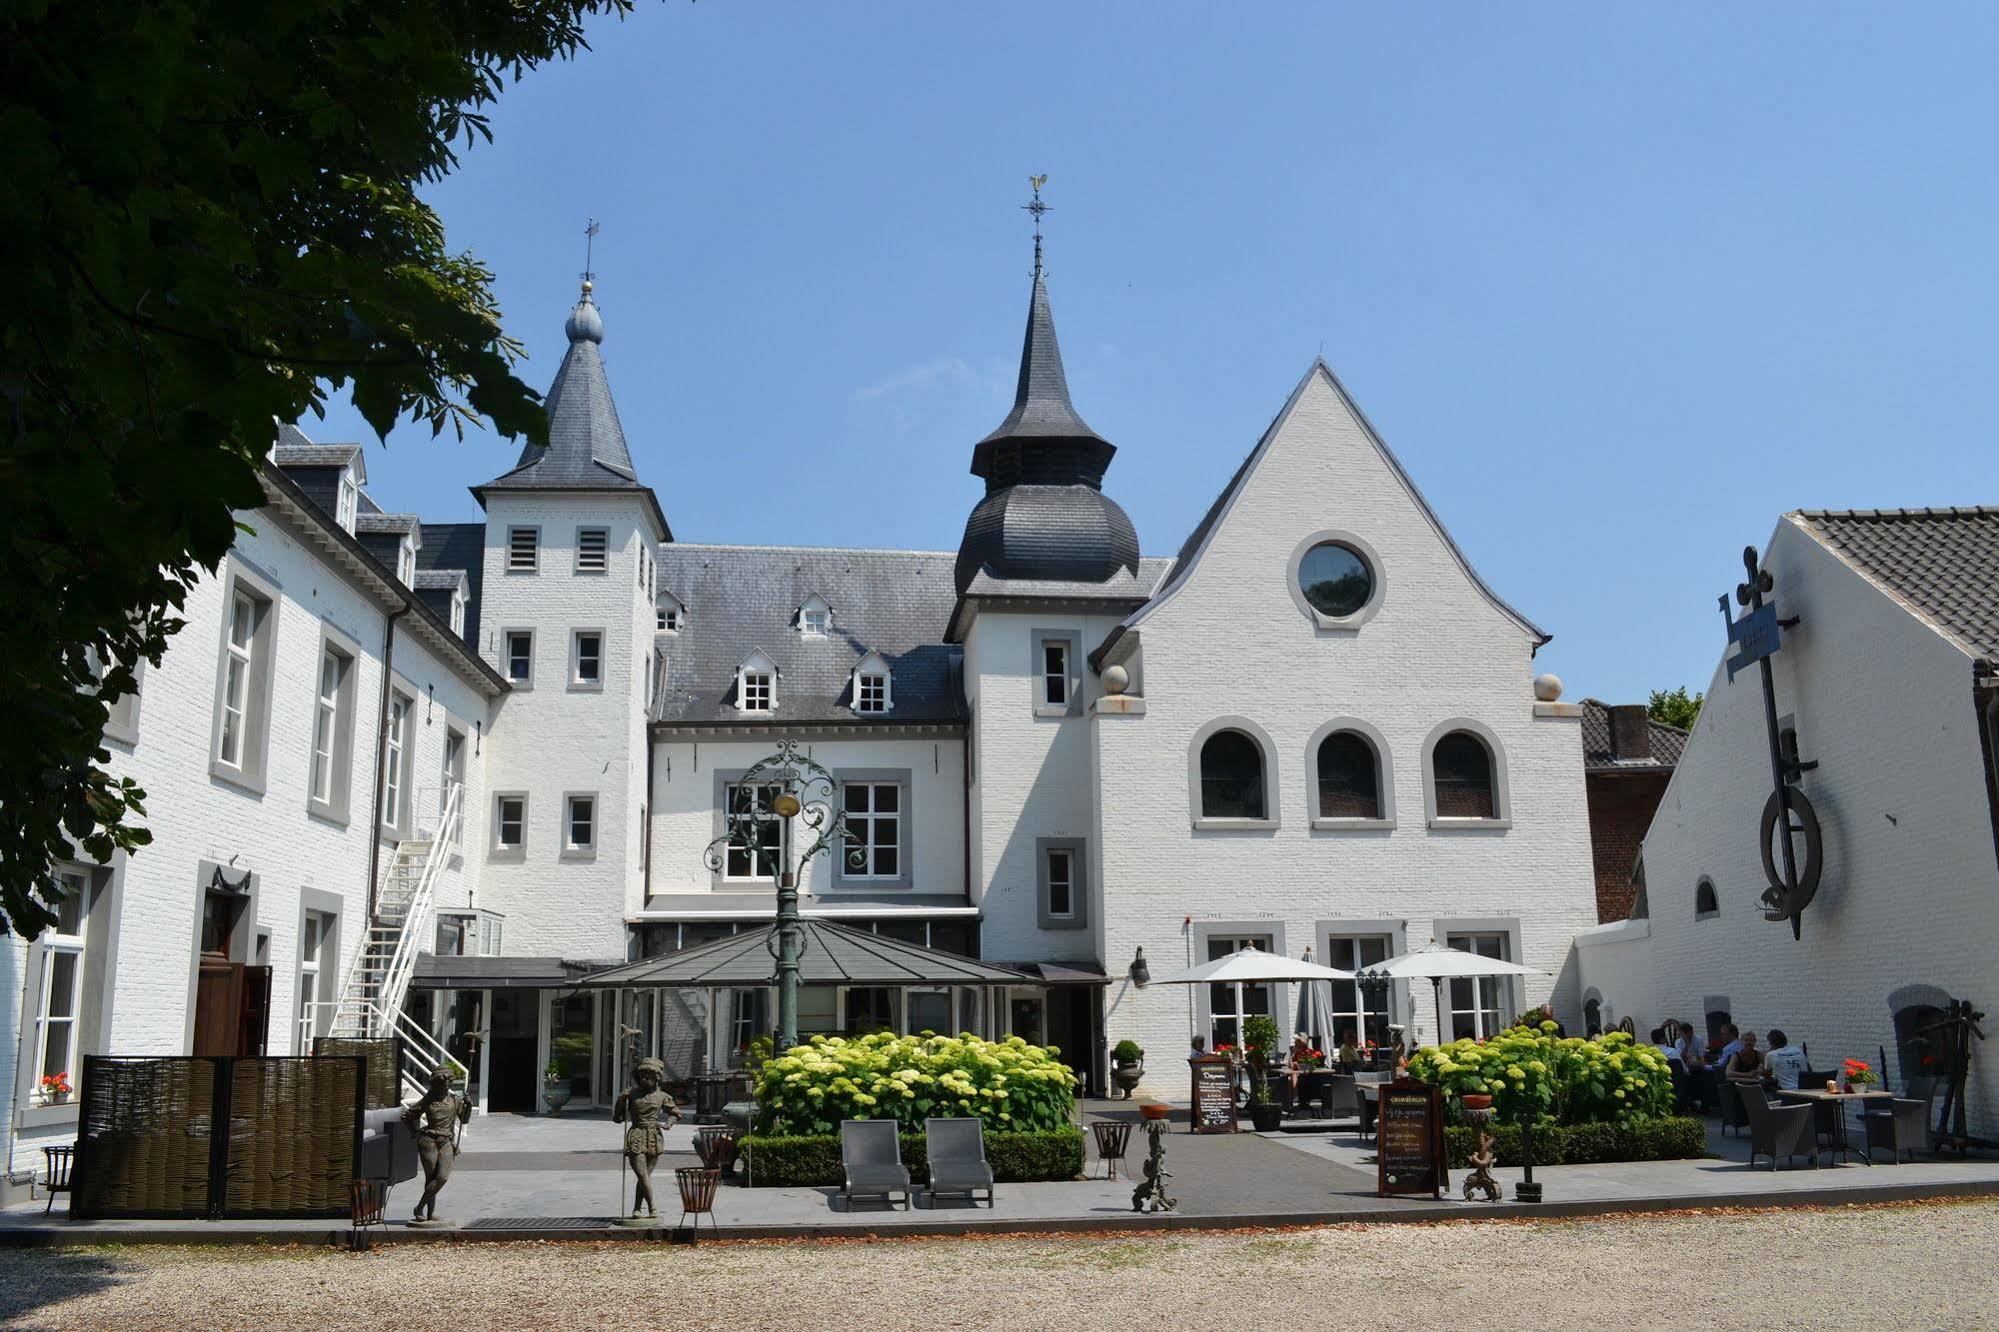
x: 1630, y: 732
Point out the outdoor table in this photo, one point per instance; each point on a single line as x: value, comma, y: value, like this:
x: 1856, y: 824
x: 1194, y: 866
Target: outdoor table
x: 1838, y: 1100
x: 1370, y: 1105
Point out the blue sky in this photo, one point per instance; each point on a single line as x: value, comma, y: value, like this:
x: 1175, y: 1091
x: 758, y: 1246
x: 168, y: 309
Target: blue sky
x: 1619, y: 284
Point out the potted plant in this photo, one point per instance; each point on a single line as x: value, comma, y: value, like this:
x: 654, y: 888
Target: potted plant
x: 555, y: 1088
x: 55, y: 1088
x: 1259, y: 1038
x: 1859, y: 1075
x: 1127, y: 1065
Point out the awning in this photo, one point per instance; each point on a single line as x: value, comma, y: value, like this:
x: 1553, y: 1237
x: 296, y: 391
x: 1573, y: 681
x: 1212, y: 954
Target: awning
x: 831, y: 955
x: 1065, y: 973
x: 496, y: 973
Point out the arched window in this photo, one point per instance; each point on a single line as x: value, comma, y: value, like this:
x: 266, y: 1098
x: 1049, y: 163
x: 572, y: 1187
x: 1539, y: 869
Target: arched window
x: 1705, y: 902
x: 1232, y: 777
x: 1349, y: 777
x: 1463, y: 768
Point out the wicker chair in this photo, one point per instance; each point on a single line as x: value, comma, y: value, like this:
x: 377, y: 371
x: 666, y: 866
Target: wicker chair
x: 1905, y: 1125
x: 1728, y: 1097
x: 871, y: 1156
x: 1776, y: 1130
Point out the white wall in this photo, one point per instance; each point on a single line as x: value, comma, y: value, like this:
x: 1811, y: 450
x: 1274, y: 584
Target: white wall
x: 1884, y: 705
x: 1232, y: 641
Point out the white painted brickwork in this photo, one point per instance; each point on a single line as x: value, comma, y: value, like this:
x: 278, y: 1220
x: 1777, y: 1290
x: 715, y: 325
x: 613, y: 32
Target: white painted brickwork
x: 1908, y: 898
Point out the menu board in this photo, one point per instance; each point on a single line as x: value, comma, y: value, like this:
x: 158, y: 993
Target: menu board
x: 1214, y: 1094
x: 1409, y: 1140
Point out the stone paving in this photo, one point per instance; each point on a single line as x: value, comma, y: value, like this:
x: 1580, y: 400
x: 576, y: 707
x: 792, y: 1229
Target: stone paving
x: 564, y: 1176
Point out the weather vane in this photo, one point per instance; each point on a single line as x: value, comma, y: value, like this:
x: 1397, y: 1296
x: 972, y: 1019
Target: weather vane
x: 590, y: 231
x: 1035, y: 207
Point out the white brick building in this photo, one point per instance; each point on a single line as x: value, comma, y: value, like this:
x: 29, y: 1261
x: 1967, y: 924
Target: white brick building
x: 1314, y: 727
x: 1889, y: 684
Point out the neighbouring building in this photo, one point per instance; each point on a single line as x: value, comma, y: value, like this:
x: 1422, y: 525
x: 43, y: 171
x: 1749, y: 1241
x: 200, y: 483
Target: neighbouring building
x: 1627, y: 758
x: 1887, y: 690
x: 427, y: 775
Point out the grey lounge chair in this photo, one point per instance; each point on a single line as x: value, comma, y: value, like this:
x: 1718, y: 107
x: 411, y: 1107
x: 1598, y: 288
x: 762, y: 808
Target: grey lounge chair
x: 1777, y: 1130
x: 1905, y: 1125
x: 1728, y: 1096
x: 957, y: 1151
x: 872, y: 1159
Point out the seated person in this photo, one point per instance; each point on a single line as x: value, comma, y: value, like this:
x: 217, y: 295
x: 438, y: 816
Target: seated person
x: 1199, y: 1049
x: 1746, y: 1064
x: 1690, y: 1043
x: 1349, y: 1052
x: 1785, y: 1061
x: 1662, y: 1045
x: 1731, y: 1041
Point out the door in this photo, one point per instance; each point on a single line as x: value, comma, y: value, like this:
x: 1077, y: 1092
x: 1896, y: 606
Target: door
x: 512, y: 1070
x: 218, y: 1006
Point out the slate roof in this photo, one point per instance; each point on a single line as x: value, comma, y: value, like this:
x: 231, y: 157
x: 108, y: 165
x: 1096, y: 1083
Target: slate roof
x: 1041, y: 406
x: 447, y: 579
x: 1124, y: 585
x: 402, y: 524
x: 833, y: 955
x: 292, y: 454
x: 1599, y: 756
x: 455, y: 548
x: 1943, y: 564
x: 740, y: 599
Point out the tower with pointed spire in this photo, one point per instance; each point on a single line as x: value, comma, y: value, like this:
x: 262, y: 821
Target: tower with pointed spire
x: 1045, y: 515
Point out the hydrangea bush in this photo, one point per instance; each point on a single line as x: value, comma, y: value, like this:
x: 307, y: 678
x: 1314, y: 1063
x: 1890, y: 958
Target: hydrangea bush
x: 1011, y: 1085
x: 1563, y: 1080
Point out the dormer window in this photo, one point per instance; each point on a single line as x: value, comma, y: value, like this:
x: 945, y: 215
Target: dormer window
x: 668, y: 614
x: 458, y: 613
x: 406, y: 563
x: 814, y: 618
x: 350, y: 499
x: 756, y: 684
x: 871, y: 685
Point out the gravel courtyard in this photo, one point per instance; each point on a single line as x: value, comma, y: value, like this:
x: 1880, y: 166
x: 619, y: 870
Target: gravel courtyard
x: 1920, y: 1266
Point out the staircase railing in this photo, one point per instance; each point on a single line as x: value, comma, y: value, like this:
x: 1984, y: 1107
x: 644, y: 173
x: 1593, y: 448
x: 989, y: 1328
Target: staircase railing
x: 418, y: 919
x: 372, y: 998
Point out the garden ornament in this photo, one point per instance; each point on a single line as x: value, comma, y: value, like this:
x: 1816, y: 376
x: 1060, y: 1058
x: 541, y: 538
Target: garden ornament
x: 435, y: 1118
x: 1151, y: 1191
x: 648, y: 1112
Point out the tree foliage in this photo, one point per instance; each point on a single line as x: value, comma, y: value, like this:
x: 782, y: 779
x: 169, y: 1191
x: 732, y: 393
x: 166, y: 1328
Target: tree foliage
x: 211, y: 219
x: 1675, y: 707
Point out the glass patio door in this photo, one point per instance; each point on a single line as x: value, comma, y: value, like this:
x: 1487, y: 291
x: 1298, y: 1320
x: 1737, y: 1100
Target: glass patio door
x: 1229, y: 1004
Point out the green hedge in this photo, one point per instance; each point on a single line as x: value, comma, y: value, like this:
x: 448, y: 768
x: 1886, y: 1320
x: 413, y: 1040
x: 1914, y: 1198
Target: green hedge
x: 1017, y: 1158
x: 1671, y: 1139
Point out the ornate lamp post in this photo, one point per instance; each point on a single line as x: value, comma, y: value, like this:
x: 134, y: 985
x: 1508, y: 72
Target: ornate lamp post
x: 779, y: 792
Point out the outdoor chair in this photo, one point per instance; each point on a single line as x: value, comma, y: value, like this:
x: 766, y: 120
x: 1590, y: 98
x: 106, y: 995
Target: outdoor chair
x: 872, y: 1159
x: 957, y: 1152
x: 1776, y: 1130
x: 1343, y: 1097
x: 1729, y: 1098
x: 58, y: 1160
x: 1904, y: 1126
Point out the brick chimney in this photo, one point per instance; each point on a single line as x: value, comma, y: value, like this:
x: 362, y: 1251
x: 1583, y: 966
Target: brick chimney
x: 1630, y: 732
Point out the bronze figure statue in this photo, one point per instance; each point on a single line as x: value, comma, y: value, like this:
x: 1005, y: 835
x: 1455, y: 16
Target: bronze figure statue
x: 648, y: 1112
x: 1151, y: 1191
x: 436, y: 1118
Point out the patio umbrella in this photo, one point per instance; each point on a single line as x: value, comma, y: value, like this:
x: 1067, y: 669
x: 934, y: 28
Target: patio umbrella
x: 1315, y: 1009
x: 1437, y: 963
x: 1250, y: 966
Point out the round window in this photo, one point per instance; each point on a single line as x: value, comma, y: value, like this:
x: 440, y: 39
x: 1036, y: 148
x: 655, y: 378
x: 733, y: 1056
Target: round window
x: 1335, y: 579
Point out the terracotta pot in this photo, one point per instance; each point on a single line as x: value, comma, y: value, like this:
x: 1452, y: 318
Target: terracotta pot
x: 1154, y: 1109
x: 1476, y: 1101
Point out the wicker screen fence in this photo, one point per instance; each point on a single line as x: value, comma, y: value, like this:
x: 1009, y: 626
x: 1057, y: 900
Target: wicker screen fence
x: 218, y: 1136
x: 385, y: 1064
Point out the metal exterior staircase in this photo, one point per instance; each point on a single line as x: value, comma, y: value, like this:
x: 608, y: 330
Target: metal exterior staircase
x: 404, y: 924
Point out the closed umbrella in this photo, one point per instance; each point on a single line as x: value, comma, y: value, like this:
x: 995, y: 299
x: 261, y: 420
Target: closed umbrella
x: 1315, y: 1009
x: 1438, y: 963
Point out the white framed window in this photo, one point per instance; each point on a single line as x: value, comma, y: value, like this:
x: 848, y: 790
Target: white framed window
x: 1359, y: 1009
x: 349, y: 502
x: 874, y: 830
x: 871, y: 693
x: 395, y: 761
x: 579, y: 824
x: 523, y: 549
x: 1479, y: 1004
x: 759, y: 691
x: 1062, y: 883
x: 593, y: 550
x: 311, y: 944
x: 510, y: 823
x: 756, y: 855
x: 458, y: 613
x: 406, y: 563
x: 520, y: 656
x: 453, y: 780
x: 814, y: 618
x: 666, y: 617
x: 236, y: 679
x: 326, y: 725
x: 1230, y: 1005
x: 586, y: 658
x: 1055, y: 672
x: 59, y: 996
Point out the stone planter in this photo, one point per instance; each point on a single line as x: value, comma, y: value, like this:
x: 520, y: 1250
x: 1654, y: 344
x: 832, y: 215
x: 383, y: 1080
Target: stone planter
x: 1476, y: 1101
x: 555, y: 1095
x: 1126, y: 1076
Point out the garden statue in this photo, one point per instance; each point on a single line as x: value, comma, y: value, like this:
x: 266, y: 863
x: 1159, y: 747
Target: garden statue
x: 435, y: 1118
x: 648, y: 1112
x: 1151, y: 1190
x: 1483, y: 1156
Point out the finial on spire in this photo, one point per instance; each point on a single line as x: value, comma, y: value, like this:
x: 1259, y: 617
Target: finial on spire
x: 590, y: 231
x: 1035, y: 207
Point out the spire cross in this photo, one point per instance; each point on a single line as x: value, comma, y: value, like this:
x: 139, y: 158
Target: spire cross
x: 1035, y: 207
x: 590, y: 231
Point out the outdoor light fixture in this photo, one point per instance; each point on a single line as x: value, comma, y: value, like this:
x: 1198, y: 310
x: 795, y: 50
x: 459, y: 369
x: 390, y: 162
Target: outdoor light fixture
x: 1141, y: 975
x: 785, y: 806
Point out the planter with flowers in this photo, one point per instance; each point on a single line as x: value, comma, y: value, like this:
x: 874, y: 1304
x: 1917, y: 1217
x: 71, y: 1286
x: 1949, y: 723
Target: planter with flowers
x: 555, y: 1088
x: 54, y: 1089
x: 1859, y: 1075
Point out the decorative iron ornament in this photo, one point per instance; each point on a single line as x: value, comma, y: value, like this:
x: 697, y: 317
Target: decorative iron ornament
x: 1788, y: 814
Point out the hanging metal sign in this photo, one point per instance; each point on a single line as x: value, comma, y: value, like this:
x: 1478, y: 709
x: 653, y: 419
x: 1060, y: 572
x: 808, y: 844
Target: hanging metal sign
x: 1792, y: 847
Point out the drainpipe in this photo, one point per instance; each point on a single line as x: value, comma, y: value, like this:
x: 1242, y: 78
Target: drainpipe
x: 645, y: 833
x: 381, y: 753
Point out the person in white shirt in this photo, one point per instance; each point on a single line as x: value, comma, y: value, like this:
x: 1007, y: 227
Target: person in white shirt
x: 1691, y: 1045
x: 1785, y: 1061
x: 1663, y: 1046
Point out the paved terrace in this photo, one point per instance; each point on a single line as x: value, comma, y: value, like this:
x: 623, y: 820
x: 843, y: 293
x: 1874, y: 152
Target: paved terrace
x: 527, y: 1177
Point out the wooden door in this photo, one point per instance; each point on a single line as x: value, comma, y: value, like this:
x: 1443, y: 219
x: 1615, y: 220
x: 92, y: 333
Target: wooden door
x: 253, y: 1026
x: 218, y: 1006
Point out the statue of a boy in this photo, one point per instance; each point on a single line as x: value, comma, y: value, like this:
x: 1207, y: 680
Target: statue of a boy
x: 648, y: 1112
x: 435, y: 1118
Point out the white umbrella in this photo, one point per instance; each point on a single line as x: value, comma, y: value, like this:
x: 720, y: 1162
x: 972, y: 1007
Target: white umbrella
x: 1251, y: 966
x: 1315, y: 1010
x: 1437, y: 963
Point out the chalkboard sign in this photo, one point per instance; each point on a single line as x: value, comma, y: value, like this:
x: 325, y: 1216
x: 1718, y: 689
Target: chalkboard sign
x: 1214, y: 1094
x: 1409, y: 1140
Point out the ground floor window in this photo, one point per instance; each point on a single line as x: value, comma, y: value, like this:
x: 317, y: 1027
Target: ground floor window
x: 749, y: 1018
x: 1478, y: 1003
x: 1230, y: 1005
x: 869, y: 1008
x: 1025, y: 1013
x: 929, y: 1010
x: 1360, y: 1011
x: 572, y: 1041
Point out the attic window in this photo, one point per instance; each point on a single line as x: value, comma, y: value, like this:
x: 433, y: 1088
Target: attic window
x: 458, y: 612
x: 814, y: 618
x: 593, y: 550
x: 871, y: 693
x: 350, y: 499
x: 668, y: 615
x: 758, y: 693
x: 405, y: 562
